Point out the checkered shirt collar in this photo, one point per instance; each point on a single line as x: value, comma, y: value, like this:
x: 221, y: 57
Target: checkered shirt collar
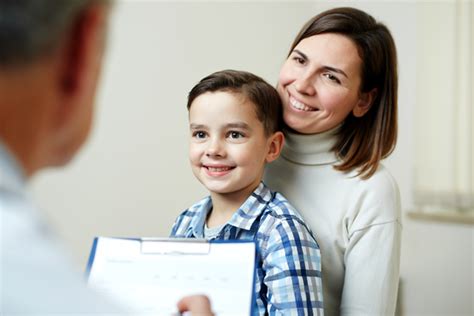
x: 243, y: 218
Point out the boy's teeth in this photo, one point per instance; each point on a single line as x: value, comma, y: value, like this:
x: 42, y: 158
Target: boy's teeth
x: 220, y: 169
x: 300, y: 106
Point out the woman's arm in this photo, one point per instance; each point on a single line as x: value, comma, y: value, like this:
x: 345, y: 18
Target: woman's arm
x: 372, y: 271
x: 372, y: 255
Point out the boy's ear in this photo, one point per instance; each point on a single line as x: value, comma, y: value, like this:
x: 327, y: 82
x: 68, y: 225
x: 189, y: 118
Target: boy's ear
x: 275, y: 145
x: 366, y: 99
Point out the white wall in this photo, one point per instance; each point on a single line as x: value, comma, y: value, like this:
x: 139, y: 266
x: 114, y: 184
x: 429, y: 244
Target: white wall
x: 132, y: 178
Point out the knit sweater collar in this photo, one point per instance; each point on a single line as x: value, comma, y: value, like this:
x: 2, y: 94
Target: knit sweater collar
x: 313, y: 149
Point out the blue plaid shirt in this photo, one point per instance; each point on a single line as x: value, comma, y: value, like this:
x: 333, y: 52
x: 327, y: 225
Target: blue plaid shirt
x: 288, y: 278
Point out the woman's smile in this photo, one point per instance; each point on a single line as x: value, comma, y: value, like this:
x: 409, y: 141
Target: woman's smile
x: 300, y: 106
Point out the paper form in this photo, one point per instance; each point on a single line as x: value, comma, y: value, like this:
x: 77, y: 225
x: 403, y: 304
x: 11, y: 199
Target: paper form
x: 150, y: 276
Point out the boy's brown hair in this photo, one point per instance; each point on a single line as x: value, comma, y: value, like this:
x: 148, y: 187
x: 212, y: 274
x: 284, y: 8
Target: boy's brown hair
x: 263, y: 96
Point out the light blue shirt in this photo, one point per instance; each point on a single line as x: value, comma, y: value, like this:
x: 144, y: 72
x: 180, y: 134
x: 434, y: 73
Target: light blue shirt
x: 36, y: 277
x: 288, y: 273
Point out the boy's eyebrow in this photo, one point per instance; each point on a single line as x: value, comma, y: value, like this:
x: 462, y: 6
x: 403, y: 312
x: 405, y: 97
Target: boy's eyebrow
x: 241, y: 125
x: 337, y: 70
x: 196, y: 126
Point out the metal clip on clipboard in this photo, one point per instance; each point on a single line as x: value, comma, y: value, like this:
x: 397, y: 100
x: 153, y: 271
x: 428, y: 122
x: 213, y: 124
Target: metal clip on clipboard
x: 175, y: 246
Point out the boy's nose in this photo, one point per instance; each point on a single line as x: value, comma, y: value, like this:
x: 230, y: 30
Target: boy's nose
x: 215, y: 149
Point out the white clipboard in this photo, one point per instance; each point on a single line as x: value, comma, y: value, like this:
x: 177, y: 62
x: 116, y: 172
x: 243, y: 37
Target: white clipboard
x: 150, y: 275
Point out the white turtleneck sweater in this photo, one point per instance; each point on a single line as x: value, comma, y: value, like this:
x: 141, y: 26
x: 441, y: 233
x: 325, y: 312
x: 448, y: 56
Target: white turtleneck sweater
x: 357, y: 223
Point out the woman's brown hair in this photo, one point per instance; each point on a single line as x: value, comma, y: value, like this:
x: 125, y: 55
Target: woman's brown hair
x: 364, y: 141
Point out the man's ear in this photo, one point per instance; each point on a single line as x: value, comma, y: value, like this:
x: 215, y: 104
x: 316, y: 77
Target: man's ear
x: 275, y: 145
x: 366, y: 99
x: 81, y: 55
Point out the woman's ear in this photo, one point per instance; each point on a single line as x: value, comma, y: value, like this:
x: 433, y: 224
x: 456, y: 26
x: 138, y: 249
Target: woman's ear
x: 366, y: 99
x: 275, y: 143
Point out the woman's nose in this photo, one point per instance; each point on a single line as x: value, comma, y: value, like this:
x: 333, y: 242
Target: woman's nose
x: 305, y: 84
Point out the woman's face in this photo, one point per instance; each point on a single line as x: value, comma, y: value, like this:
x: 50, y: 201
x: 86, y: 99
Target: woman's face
x: 319, y: 84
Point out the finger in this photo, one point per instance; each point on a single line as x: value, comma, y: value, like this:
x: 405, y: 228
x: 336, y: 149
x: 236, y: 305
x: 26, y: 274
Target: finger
x: 196, y: 304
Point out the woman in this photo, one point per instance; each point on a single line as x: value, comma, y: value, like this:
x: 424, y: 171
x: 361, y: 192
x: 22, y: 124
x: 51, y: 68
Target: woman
x: 339, y: 93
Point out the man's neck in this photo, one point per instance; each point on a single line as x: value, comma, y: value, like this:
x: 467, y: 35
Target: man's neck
x: 22, y: 102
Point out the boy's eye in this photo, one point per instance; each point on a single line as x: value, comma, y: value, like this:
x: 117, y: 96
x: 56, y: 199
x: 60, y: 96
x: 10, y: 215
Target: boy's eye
x: 199, y: 134
x: 235, y: 135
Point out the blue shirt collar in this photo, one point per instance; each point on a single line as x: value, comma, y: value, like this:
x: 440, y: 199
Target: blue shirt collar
x: 243, y: 218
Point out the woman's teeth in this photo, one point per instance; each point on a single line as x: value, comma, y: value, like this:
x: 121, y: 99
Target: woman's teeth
x: 300, y: 106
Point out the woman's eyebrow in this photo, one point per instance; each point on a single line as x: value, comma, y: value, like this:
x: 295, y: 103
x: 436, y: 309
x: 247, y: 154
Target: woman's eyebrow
x: 330, y: 68
x: 300, y: 53
x: 337, y: 70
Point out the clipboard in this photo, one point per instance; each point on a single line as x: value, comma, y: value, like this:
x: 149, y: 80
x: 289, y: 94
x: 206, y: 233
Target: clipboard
x: 150, y: 275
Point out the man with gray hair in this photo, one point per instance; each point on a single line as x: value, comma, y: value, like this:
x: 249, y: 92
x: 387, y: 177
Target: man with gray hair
x: 50, y: 60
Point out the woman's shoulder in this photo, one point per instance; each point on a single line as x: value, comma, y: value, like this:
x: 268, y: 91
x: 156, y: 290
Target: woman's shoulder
x: 377, y: 199
x: 381, y: 181
x: 380, y: 185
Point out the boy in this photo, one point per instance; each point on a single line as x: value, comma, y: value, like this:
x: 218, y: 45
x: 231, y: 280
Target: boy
x: 234, y: 120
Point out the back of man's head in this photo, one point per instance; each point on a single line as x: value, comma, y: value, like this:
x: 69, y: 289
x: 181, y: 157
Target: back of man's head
x: 50, y: 57
x: 30, y: 29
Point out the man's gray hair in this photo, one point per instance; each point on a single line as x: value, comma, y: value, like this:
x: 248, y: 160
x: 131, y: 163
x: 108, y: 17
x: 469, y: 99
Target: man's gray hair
x: 30, y: 29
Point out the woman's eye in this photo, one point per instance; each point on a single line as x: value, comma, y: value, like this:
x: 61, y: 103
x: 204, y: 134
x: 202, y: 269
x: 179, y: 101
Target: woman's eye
x: 199, y: 134
x: 332, y: 78
x: 235, y: 135
x: 299, y: 60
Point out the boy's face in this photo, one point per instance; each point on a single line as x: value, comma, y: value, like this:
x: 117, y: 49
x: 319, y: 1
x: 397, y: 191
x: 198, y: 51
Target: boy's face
x: 228, y: 147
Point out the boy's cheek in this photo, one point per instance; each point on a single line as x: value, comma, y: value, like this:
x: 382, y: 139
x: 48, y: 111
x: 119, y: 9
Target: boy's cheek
x: 195, y: 153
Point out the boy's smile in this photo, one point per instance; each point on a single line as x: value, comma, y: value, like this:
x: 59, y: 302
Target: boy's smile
x: 228, y: 147
x: 218, y: 170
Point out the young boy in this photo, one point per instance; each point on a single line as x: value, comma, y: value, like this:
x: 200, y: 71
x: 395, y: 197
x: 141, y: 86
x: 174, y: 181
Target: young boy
x: 234, y: 119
